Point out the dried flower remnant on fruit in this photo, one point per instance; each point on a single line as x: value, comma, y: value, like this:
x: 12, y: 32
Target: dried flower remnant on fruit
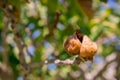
x: 81, y: 45
x: 79, y: 35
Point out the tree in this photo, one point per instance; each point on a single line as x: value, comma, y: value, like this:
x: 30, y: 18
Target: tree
x: 33, y: 33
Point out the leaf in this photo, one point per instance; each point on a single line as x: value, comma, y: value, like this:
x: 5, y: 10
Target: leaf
x: 104, y: 1
x: 86, y: 6
x: 1, y: 19
x: 97, y: 33
x: 64, y: 55
x: 75, y: 68
x: 107, y: 50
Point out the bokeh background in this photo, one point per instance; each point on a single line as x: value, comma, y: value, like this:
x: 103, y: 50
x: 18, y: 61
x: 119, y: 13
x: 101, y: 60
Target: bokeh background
x: 38, y: 28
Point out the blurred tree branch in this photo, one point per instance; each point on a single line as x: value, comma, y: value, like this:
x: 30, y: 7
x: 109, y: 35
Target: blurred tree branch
x: 118, y: 66
x: 6, y: 72
x: 5, y: 68
x: 100, y: 73
x: 11, y: 11
x: 4, y: 35
x: 51, y: 29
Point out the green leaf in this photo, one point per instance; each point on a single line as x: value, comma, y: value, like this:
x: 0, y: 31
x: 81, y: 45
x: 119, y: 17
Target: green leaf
x: 107, y: 50
x: 94, y: 35
x: 104, y: 1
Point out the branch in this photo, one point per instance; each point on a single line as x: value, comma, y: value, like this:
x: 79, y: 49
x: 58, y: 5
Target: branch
x: 57, y: 62
x: 100, y: 73
x: 51, y: 30
x: 14, y: 19
x: 4, y: 44
x: 5, y: 72
x: 118, y: 66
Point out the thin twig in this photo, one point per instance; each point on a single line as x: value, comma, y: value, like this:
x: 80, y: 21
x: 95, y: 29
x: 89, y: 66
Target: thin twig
x: 57, y: 62
x: 52, y: 29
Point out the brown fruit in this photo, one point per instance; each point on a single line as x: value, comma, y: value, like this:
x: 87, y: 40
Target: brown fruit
x: 82, y: 45
x: 72, y: 45
x: 88, y: 49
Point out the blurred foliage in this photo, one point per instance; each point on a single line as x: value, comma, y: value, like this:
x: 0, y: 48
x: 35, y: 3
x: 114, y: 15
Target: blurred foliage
x: 36, y: 19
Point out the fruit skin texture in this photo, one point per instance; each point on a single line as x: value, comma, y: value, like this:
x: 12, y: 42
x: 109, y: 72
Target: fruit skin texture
x: 72, y: 45
x: 88, y: 49
x: 81, y: 45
